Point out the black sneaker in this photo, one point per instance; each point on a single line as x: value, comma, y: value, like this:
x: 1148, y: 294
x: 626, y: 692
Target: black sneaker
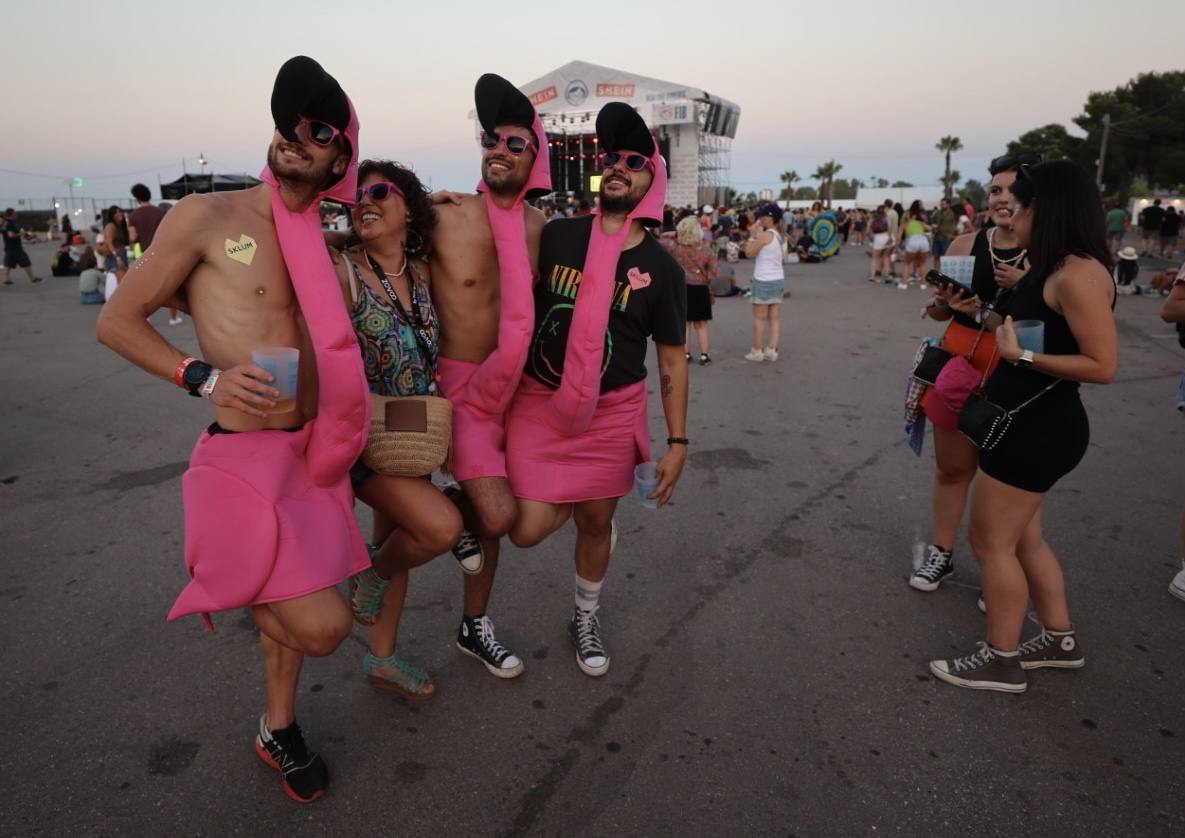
x: 934, y: 568
x: 983, y: 670
x: 476, y: 639
x: 306, y: 776
x: 468, y: 553
x: 585, y: 630
x: 1052, y: 649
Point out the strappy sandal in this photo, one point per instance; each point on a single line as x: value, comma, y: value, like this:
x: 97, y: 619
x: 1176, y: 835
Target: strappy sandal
x: 366, y: 593
x: 397, y: 675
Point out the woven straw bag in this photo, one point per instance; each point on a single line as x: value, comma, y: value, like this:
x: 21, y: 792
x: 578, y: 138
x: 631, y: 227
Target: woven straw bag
x: 408, y: 453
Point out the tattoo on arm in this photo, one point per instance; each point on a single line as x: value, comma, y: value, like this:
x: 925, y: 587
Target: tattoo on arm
x: 667, y: 389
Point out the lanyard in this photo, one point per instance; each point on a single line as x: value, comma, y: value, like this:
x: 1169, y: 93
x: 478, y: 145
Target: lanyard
x: 421, y: 331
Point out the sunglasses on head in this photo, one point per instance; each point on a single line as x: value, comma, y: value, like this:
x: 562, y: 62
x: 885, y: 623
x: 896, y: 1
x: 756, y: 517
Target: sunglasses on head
x: 316, y: 132
x: 1008, y: 162
x: 631, y: 160
x: 378, y: 191
x: 514, y: 143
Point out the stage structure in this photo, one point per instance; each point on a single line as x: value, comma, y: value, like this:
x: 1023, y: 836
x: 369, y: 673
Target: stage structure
x: 694, y: 128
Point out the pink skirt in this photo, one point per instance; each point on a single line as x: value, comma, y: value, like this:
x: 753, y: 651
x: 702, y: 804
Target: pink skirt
x: 544, y: 465
x: 257, y: 529
x: 479, y: 442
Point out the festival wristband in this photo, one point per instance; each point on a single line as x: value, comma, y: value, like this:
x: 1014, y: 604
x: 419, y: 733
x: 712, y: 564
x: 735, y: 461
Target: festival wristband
x: 180, y: 371
x: 678, y: 440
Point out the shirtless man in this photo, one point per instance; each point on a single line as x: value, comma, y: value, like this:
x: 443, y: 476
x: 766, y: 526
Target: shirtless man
x: 221, y: 253
x: 467, y: 289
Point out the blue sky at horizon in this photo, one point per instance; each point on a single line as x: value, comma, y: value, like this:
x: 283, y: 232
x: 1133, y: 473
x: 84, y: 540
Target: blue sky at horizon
x: 873, y: 87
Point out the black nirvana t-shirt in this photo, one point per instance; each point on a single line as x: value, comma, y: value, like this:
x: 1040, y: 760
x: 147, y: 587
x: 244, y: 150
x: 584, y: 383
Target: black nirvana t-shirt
x: 654, y: 305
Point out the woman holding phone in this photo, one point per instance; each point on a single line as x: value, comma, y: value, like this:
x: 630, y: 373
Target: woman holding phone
x: 1000, y: 262
x: 1058, y: 216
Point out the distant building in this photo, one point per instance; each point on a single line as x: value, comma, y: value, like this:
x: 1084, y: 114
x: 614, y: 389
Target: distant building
x: 694, y: 129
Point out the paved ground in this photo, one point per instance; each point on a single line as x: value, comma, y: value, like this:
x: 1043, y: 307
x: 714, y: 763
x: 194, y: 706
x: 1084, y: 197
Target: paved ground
x: 769, y: 662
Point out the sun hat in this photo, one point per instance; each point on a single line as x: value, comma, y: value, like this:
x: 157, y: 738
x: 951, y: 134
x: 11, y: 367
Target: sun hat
x: 1129, y: 253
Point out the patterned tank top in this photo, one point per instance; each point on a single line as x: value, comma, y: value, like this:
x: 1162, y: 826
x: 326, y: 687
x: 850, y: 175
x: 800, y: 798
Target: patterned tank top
x: 396, y: 363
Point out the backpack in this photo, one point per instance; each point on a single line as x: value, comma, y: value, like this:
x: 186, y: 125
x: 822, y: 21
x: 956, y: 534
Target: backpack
x: 880, y: 225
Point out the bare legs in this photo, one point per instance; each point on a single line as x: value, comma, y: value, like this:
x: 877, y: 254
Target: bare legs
x: 760, y: 318
x: 1015, y: 561
x: 488, y: 509
x: 957, y: 459
x: 701, y: 334
x: 594, y: 518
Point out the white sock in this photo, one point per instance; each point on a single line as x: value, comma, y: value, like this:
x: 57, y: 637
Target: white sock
x: 587, y: 593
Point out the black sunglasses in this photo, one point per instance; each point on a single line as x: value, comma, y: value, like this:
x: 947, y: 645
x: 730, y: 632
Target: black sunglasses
x: 633, y: 162
x: 317, y: 132
x: 1008, y: 162
x: 514, y: 143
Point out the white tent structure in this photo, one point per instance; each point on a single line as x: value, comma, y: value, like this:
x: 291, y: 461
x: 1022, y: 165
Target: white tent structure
x: 694, y: 129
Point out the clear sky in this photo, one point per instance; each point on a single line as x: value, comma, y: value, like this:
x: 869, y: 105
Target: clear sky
x: 118, y: 91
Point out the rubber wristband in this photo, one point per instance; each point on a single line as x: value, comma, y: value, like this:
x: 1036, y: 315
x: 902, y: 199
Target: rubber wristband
x: 180, y: 372
x: 678, y: 440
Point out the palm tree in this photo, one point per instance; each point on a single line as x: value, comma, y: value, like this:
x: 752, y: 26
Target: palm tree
x: 948, y: 145
x: 825, y: 174
x: 789, y: 178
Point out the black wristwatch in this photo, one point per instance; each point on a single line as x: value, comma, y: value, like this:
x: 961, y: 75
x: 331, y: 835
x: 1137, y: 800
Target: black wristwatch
x: 195, y: 376
x: 678, y: 440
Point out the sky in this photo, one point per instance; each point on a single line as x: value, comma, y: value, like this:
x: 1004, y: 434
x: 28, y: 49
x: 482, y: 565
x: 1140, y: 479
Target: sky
x: 129, y: 90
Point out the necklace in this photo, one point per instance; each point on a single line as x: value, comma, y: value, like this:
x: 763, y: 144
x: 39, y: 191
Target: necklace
x: 1012, y: 261
x: 374, y: 263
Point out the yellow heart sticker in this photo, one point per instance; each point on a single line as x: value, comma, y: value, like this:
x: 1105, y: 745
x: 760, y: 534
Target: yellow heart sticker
x: 241, y: 251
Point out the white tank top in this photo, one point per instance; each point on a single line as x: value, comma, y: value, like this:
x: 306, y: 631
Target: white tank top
x: 768, y: 265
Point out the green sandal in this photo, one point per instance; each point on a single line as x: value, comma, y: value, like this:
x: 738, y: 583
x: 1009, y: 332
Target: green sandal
x: 395, y: 674
x: 366, y: 596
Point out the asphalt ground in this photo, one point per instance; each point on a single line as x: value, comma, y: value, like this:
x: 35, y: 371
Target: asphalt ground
x: 768, y: 659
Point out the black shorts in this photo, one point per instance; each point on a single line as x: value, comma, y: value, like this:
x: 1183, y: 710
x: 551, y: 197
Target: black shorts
x: 1046, y: 442
x: 699, y: 304
x: 16, y: 259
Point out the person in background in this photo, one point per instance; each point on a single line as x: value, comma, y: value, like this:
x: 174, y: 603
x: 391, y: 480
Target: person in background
x: 725, y: 282
x: 945, y: 225
x: 90, y: 287
x: 142, y: 224
x: 912, y: 238
x: 115, y: 240
x: 1117, y: 224
x: 1127, y: 268
x: 14, y: 248
x: 699, y: 268
x: 882, y: 246
x: 1150, y: 220
x: 769, y: 282
x: 1170, y: 228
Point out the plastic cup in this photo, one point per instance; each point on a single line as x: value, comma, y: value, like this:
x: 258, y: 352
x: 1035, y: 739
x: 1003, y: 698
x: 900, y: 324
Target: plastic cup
x: 1030, y: 334
x: 646, y: 479
x: 283, y: 362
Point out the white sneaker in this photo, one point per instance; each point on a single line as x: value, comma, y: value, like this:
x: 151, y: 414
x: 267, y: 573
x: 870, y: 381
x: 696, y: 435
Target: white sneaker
x: 755, y: 355
x: 1177, y: 586
x: 176, y: 321
x: 770, y: 353
x: 902, y: 285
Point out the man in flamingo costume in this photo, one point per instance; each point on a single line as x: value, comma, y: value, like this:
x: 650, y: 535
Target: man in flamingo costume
x: 577, y: 425
x: 269, y: 522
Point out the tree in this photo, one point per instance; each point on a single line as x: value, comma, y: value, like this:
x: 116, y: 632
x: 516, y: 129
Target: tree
x: 948, y: 145
x: 806, y: 193
x: 949, y: 179
x: 901, y: 184
x: 846, y: 189
x: 974, y: 193
x: 730, y: 196
x: 1053, y: 142
x: 879, y: 182
x: 825, y: 174
x: 789, y: 178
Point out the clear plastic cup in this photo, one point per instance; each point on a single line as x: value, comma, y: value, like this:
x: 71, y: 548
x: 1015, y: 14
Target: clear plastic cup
x: 646, y: 479
x: 1030, y: 334
x: 283, y: 362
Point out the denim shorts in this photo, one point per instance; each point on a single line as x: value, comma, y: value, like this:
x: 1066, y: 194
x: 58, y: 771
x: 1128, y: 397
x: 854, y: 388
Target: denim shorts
x: 765, y: 292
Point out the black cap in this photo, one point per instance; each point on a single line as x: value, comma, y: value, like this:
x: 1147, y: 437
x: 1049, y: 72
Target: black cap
x: 772, y: 210
x: 501, y: 103
x: 303, y: 88
x: 620, y: 128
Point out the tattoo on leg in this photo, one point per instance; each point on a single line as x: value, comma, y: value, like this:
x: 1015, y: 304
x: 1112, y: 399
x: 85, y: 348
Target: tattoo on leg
x: 667, y: 389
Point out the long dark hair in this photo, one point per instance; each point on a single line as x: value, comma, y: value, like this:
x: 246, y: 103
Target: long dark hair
x: 1067, y: 215
x: 121, y: 227
x: 917, y: 210
x: 422, y: 217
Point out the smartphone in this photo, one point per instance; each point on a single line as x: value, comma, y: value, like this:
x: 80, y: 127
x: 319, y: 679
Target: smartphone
x: 936, y: 278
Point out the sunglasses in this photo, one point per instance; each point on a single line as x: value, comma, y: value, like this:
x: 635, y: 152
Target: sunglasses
x: 1008, y: 162
x: 316, y: 132
x: 514, y: 143
x: 378, y: 191
x: 632, y: 161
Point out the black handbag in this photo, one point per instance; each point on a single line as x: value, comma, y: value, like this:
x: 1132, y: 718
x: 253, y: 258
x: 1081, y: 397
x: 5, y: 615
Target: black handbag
x: 985, y: 423
x: 934, y: 358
